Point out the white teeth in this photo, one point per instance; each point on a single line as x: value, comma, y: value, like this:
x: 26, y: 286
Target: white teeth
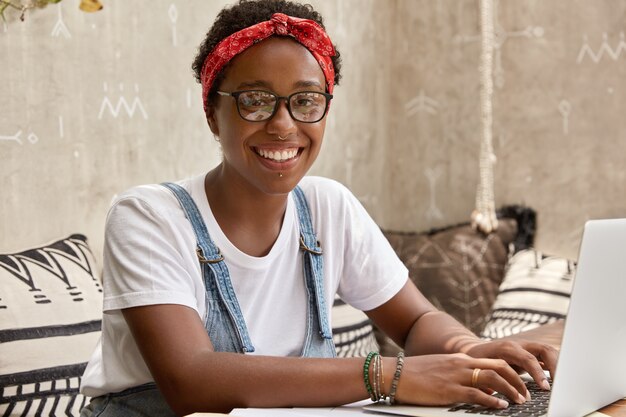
x: 278, y: 156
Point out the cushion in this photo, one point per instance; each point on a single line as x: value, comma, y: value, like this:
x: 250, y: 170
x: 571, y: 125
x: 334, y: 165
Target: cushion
x: 458, y: 268
x: 50, y: 317
x: 535, y: 291
x: 353, y: 333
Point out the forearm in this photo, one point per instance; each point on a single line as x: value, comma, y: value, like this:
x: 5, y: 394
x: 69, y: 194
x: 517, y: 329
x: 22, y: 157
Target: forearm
x: 438, y: 332
x: 216, y: 381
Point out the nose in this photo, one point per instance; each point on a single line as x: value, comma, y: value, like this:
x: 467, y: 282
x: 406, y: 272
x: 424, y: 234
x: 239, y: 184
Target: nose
x: 281, y: 124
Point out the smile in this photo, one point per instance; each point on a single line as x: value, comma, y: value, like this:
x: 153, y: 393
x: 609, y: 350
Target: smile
x: 278, y: 155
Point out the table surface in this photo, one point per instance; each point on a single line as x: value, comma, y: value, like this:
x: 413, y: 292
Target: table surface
x: 551, y: 334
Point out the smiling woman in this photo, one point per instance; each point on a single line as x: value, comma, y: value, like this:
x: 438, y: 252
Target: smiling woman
x: 218, y: 289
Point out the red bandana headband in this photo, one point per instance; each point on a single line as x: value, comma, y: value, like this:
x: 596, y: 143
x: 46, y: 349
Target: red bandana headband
x: 310, y: 34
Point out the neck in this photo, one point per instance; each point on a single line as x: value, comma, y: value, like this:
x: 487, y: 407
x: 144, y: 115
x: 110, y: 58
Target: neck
x: 250, y: 218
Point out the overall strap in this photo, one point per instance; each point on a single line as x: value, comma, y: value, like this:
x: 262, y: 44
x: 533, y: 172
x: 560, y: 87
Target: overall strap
x: 210, y: 256
x: 313, y: 261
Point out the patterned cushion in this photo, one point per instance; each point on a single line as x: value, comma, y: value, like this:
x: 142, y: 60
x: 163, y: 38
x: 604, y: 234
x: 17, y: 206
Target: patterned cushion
x: 458, y: 269
x: 352, y: 331
x: 535, y: 291
x: 50, y: 316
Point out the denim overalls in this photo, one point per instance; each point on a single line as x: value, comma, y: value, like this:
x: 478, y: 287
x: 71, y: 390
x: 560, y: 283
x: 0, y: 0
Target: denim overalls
x: 224, y: 321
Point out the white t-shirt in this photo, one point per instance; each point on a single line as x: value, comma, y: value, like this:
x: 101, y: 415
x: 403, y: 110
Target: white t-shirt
x: 150, y: 258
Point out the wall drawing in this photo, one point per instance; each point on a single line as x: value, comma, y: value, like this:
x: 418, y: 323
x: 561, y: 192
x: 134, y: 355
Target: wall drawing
x: 60, y: 29
x: 172, y: 12
x: 433, y: 212
x: 565, y: 108
x: 131, y: 108
x: 61, y: 132
x: 31, y: 138
x: 421, y: 104
x: 605, y: 49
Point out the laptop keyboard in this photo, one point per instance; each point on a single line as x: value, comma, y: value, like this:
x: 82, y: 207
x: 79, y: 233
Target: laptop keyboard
x: 535, y: 407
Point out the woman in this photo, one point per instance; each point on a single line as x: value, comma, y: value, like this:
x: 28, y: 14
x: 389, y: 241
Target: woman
x: 199, y: 272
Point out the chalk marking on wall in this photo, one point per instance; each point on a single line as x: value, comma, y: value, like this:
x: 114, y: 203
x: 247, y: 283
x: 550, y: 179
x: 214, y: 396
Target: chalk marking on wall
x: 15, y: 137
x: 503, y: 140
x: 4, y: 25
x: 122, y: 103
x: 565, y: 108
x: 32, y: 138
x: 172, y: 12
x: 59, y: 27
x: 349, y: 161
x: 189, y: 98
x: 421, y: 104
x: 340, y: 30
x: 501, y: 35
x: 604, y: 49
x: 61, y: 133
x: 433, y: 211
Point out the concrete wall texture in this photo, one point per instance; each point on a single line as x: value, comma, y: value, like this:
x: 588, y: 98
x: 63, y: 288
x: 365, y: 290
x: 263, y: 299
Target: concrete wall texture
x: 91, y: 104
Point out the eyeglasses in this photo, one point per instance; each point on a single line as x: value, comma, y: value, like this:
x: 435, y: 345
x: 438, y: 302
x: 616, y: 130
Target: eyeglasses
x: 259, y: 105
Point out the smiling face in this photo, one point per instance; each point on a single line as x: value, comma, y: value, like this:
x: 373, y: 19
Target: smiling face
x: 253, y: 153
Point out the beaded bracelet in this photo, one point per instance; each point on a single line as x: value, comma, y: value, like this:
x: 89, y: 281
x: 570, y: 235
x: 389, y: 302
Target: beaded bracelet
x: 366, y: 373
x: 377, y: 393
x: 381, y: 381
x: 396, y: 378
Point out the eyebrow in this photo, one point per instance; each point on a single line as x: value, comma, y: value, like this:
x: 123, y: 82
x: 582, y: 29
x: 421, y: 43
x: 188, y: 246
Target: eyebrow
x: 261, y: 83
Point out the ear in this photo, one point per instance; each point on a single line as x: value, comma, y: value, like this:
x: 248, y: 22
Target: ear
x: 211, y: 120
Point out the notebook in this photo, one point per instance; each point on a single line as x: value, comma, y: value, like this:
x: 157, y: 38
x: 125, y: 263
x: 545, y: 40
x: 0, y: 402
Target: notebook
x: 591, y: 368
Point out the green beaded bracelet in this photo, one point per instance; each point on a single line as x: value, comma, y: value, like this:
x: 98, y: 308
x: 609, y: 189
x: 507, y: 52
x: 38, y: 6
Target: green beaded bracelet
x: 366, y: 373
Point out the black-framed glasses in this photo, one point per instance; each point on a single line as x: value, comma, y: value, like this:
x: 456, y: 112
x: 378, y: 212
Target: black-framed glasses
x: 260, y: 105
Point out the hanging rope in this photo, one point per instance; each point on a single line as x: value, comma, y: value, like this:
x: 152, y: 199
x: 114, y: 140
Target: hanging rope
x: 484, y: 215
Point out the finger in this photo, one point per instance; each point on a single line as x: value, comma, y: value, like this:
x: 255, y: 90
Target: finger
x: 546, y: 355
x: 509, y: 374
x: 519, y: 354
x: 543, y: 357
x: 490, y: 380
x: 476, y: 396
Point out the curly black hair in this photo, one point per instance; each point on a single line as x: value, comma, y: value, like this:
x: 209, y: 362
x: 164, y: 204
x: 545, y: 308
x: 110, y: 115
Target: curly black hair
x: 242, y: 15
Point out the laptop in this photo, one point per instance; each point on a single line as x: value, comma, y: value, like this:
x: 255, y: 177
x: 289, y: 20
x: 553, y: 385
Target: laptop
x: 591, y: 368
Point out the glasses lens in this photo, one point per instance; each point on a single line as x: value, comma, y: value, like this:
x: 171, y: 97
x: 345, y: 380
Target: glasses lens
x: 256, y: 105
x: 308, y: 106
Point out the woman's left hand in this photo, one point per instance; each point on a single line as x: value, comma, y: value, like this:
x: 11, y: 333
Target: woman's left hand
x: 522, y: 355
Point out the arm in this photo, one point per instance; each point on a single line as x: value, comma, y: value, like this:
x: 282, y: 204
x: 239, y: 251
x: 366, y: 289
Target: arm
x: 193, y: 377
x: 415, y: 324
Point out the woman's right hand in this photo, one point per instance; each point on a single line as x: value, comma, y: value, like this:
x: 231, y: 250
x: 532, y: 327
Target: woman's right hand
x: 446, y: 379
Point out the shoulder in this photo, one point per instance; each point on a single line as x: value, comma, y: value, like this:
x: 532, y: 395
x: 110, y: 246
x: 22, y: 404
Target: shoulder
x: 149, y: 201
x: 328, y: 198
x: 322, y: 189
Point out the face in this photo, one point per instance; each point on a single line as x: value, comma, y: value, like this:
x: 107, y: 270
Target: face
x: 251, y: 149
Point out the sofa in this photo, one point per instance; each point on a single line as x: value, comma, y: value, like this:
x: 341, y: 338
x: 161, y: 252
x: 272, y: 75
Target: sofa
x: 51, y: 298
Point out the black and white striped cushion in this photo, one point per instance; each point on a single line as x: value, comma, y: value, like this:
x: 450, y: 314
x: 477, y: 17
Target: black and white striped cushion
x: 535, y: 291
x: 353, y: 333
x: 50, y: 318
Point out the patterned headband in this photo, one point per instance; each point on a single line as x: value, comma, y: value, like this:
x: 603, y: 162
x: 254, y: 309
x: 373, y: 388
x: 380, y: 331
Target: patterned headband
x: 307, y: 32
